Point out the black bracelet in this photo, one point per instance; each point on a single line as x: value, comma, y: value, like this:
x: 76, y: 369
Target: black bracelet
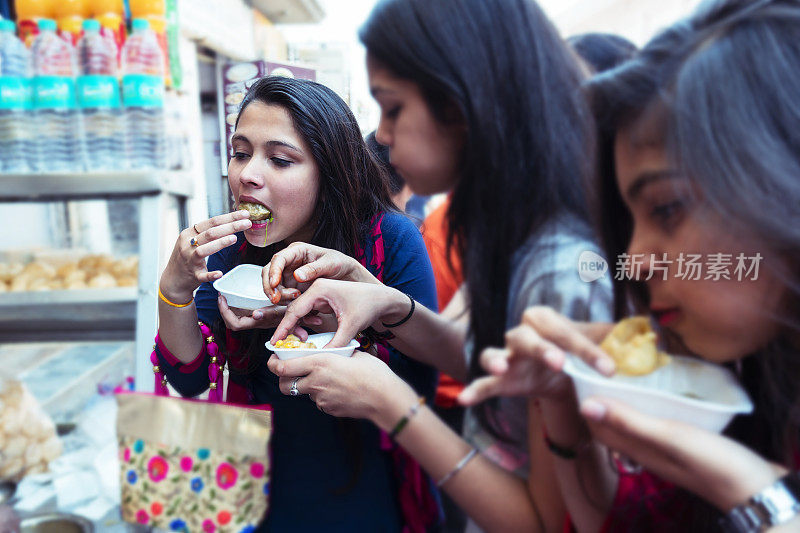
x: 406, y: 318
x: 560, y: 451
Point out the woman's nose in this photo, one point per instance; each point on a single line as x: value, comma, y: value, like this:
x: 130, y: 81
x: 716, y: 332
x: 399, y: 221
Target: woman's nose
x: 382, y: 134
x: 252, y: 174
x: 641, y: 255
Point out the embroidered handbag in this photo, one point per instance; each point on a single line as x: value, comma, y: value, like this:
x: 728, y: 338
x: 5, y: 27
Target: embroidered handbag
x: 191, y: 465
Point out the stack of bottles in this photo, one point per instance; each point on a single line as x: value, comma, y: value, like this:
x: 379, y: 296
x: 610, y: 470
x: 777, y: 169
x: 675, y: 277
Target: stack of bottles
x: 72, y: 100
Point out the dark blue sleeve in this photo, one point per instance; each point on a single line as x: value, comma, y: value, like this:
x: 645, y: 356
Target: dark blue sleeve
x: 194, y: 382
x: 408, y: 269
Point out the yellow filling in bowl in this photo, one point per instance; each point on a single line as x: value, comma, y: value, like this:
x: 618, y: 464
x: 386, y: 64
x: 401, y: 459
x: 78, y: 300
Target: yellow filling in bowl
x: 292, y: 341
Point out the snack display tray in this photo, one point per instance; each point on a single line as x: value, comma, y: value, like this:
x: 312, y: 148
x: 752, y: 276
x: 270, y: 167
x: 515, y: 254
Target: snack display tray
x: 54, y: 186
x: 68, y: 315
x: 118, y: 314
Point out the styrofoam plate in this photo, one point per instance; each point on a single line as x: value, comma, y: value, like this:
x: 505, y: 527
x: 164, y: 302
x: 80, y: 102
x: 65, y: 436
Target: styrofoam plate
x: 242, y: 288
x: 686, y: 389
x: 319, y: 340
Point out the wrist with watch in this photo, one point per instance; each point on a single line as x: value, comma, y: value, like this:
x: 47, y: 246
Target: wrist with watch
x: 775, y: 505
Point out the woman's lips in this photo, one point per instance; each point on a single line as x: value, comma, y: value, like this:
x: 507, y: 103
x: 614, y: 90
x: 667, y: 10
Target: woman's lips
x: 666, y: 317
x: 261, y: 224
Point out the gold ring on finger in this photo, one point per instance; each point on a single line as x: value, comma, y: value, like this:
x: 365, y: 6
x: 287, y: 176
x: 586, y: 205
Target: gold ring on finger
x: 193, y: 242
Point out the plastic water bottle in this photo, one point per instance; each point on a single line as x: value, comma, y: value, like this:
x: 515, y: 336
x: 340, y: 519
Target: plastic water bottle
x: 99, y: 100
x: 58, y: 124
x: 143, y: 98
x: 15, y: 102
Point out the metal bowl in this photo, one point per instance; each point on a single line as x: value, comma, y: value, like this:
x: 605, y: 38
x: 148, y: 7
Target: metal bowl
x: 56, y: 523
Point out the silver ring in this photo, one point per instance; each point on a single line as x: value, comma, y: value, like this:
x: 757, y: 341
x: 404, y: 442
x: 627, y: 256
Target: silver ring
x: 193, y: 242
x: 195, y: 229
x: 293, y: 389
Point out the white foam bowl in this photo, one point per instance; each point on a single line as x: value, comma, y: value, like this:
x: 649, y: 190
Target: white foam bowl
x: 687, y: 390
x: 242, y: 288
x: 319, y: 340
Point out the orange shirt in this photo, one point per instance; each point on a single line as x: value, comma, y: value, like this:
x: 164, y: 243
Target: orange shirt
x: 448, y: 280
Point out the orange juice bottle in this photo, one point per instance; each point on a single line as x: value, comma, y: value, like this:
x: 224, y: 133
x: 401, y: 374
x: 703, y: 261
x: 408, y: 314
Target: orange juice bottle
x: 29, y: 13
x: 111, y: 15
x: 154, y: 12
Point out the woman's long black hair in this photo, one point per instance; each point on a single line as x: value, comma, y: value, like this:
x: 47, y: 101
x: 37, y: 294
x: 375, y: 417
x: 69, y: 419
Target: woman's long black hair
x: 353, y: 188
x: 725, y: 83
x: 500, y: 68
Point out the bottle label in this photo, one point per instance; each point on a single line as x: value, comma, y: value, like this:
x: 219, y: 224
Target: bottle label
x: 54, y: 92
x: 14, y: 93
x: 101, y: 92
x: 143, y: 90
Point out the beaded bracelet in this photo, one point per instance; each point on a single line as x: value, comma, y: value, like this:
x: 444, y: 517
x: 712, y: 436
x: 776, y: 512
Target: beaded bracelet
x: 404, y: 421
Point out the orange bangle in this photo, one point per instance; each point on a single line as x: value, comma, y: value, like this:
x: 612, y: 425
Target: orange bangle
x: 173, y: 304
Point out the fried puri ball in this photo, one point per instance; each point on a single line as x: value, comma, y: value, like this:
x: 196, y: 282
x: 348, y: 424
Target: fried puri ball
x: 632, y: 345
x: 257, y: 211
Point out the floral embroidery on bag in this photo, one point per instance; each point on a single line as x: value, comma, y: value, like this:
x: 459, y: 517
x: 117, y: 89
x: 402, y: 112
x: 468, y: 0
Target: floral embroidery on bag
x: 191, y: 490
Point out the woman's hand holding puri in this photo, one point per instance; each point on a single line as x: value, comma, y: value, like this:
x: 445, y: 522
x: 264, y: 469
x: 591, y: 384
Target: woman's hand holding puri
x: 186, y: 269
x: 299, y: 264
x: 530, y: 363
x: 356, y: 306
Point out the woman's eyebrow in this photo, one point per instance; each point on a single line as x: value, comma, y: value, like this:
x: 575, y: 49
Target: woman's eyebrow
x: 646, y: 178
x: 239, y: 137
x: 377, y: 91
x: 284, y: 144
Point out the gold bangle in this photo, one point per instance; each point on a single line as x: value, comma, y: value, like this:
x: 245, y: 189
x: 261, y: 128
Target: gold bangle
x: 164, y: 299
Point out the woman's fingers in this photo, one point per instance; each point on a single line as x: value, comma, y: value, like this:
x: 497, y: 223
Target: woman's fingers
x: 300, y: 333
x: 346, y: 332
x: 716, y: 468
x: 208, y: 277
x: 241, y: 319
x: 628, y: 431
x: 565, y: 336
x: 282, y: 295
x: 525, y: 341
x: 480, y: 390
x: 298, y: 366
x: 495, y: 360
x: 291, y: 257
x: 223, y: 230
x: 219, y: 220
x: 270, y: 314
x: 202, y: 251
x: 312, y: 320
x: 233, y: 321
x: 294, y: 312
x: 328, y: 266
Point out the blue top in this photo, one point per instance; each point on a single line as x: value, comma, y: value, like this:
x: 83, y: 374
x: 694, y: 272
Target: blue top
x: 310, y: 462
